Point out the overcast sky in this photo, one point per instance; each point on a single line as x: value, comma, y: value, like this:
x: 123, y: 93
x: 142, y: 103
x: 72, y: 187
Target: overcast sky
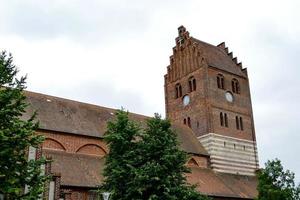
x: 114, y: 53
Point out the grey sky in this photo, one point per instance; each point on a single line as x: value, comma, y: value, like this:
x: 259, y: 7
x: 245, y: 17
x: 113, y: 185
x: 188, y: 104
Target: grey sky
x: 114, y: 53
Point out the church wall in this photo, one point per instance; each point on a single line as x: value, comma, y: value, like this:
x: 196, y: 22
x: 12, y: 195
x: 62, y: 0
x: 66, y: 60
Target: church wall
x: 199, y: 122
x: 74, y: 143
x: 241, y: 106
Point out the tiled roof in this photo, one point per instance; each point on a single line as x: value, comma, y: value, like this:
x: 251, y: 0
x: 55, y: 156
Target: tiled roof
x: 223, y: 185
x: 63, y: 115
x: 76, y: 169
x: 217, y: 57
x: 85, y: 171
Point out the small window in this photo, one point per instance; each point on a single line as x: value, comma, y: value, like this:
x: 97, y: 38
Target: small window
x: 241, y: 123
x: 226, y: 120
x: 189, y: 122
x: 184, y: 121
x: 237, y: 122
x: 192, y: 84
x: 220, y: 81
x: 178, y: 90
x: 234, y: 146
x: 221, y: 119
x: 235, y: 86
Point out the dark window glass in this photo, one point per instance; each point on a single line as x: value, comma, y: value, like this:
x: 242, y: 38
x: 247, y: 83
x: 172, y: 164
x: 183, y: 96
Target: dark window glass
x: 189, y: 122
x: 237, y: 122
x: 241, y: 123
x: 226, y: 120
x: 220, y: 81
x: 221, y: 119
x: 194, y: 84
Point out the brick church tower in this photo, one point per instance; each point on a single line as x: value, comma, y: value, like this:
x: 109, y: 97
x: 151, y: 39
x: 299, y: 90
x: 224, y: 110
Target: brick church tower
x: 208, y: 90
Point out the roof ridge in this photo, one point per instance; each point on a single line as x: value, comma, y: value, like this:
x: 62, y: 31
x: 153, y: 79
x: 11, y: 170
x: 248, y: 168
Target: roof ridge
x: 211, y: 45
x: 79, y: 102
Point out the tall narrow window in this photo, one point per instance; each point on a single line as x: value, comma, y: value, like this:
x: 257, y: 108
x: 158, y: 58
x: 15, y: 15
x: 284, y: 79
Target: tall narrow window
x: 226, y: 120
x: 178, y: 90
x: 237, y: 122
x: 189, y: 122
x: 192, y: 84
x: 220, y: 81
x: 221, y: 119
x: 184, y: 121
x: 235, y: 86
x: 241, y: 123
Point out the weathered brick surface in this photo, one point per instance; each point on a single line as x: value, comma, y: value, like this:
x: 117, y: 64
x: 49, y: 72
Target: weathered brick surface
x: 74, y: 143
x: 208, y: 100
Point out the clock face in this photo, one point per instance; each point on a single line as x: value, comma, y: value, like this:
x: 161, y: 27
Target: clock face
x: 229, y: 97
x: 186, y: 100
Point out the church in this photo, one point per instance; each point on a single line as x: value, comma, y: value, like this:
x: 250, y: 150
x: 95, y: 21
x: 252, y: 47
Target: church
x: 208, y: 101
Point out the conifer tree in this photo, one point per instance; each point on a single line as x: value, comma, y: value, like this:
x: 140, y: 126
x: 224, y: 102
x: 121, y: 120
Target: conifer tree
x: 16, y: 136
x: 146, y: 164
x: 276, y: 184
x: 119, y: 167
x: 161, y: 174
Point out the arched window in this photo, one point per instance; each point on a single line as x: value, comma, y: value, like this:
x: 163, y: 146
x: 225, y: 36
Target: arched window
x: 189, y: 122
x: 237, y: 122
x: 184, y: 121
x: 241, y: 123
x: 235, y: 86
x: 221, y: 119
x: 178, y: 90
x: 226, y: 120
x: 192, y: 84
x: 220, y: 81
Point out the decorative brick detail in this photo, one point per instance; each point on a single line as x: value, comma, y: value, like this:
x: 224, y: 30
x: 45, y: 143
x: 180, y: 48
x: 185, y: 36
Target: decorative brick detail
x: 74, y: 143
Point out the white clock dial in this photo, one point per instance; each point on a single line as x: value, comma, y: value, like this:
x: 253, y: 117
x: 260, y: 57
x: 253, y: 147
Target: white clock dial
x: 229, y: 97
x: 186, y: 100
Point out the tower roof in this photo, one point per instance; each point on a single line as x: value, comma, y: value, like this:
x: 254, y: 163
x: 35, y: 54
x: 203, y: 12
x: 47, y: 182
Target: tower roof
x: 217, y: 57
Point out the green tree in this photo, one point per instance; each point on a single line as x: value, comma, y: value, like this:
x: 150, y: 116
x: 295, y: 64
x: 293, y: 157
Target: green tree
x: 119, y: 167
x: 276, y: 184
x: 150, y: 167
x: 16, y: 136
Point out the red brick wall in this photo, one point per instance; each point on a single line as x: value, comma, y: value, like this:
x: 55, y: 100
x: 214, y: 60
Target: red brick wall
x: 74, y: 143
x: 208, y: 100
x: 241, y: 105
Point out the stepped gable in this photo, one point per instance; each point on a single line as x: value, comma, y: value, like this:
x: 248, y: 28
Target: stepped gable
x: 63, y: 115
x: 218, y: 57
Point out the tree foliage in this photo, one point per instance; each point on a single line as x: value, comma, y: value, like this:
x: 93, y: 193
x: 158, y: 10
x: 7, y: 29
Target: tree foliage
x: 276, y: 184
x: 16, y: 136
x: 145, y: 164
